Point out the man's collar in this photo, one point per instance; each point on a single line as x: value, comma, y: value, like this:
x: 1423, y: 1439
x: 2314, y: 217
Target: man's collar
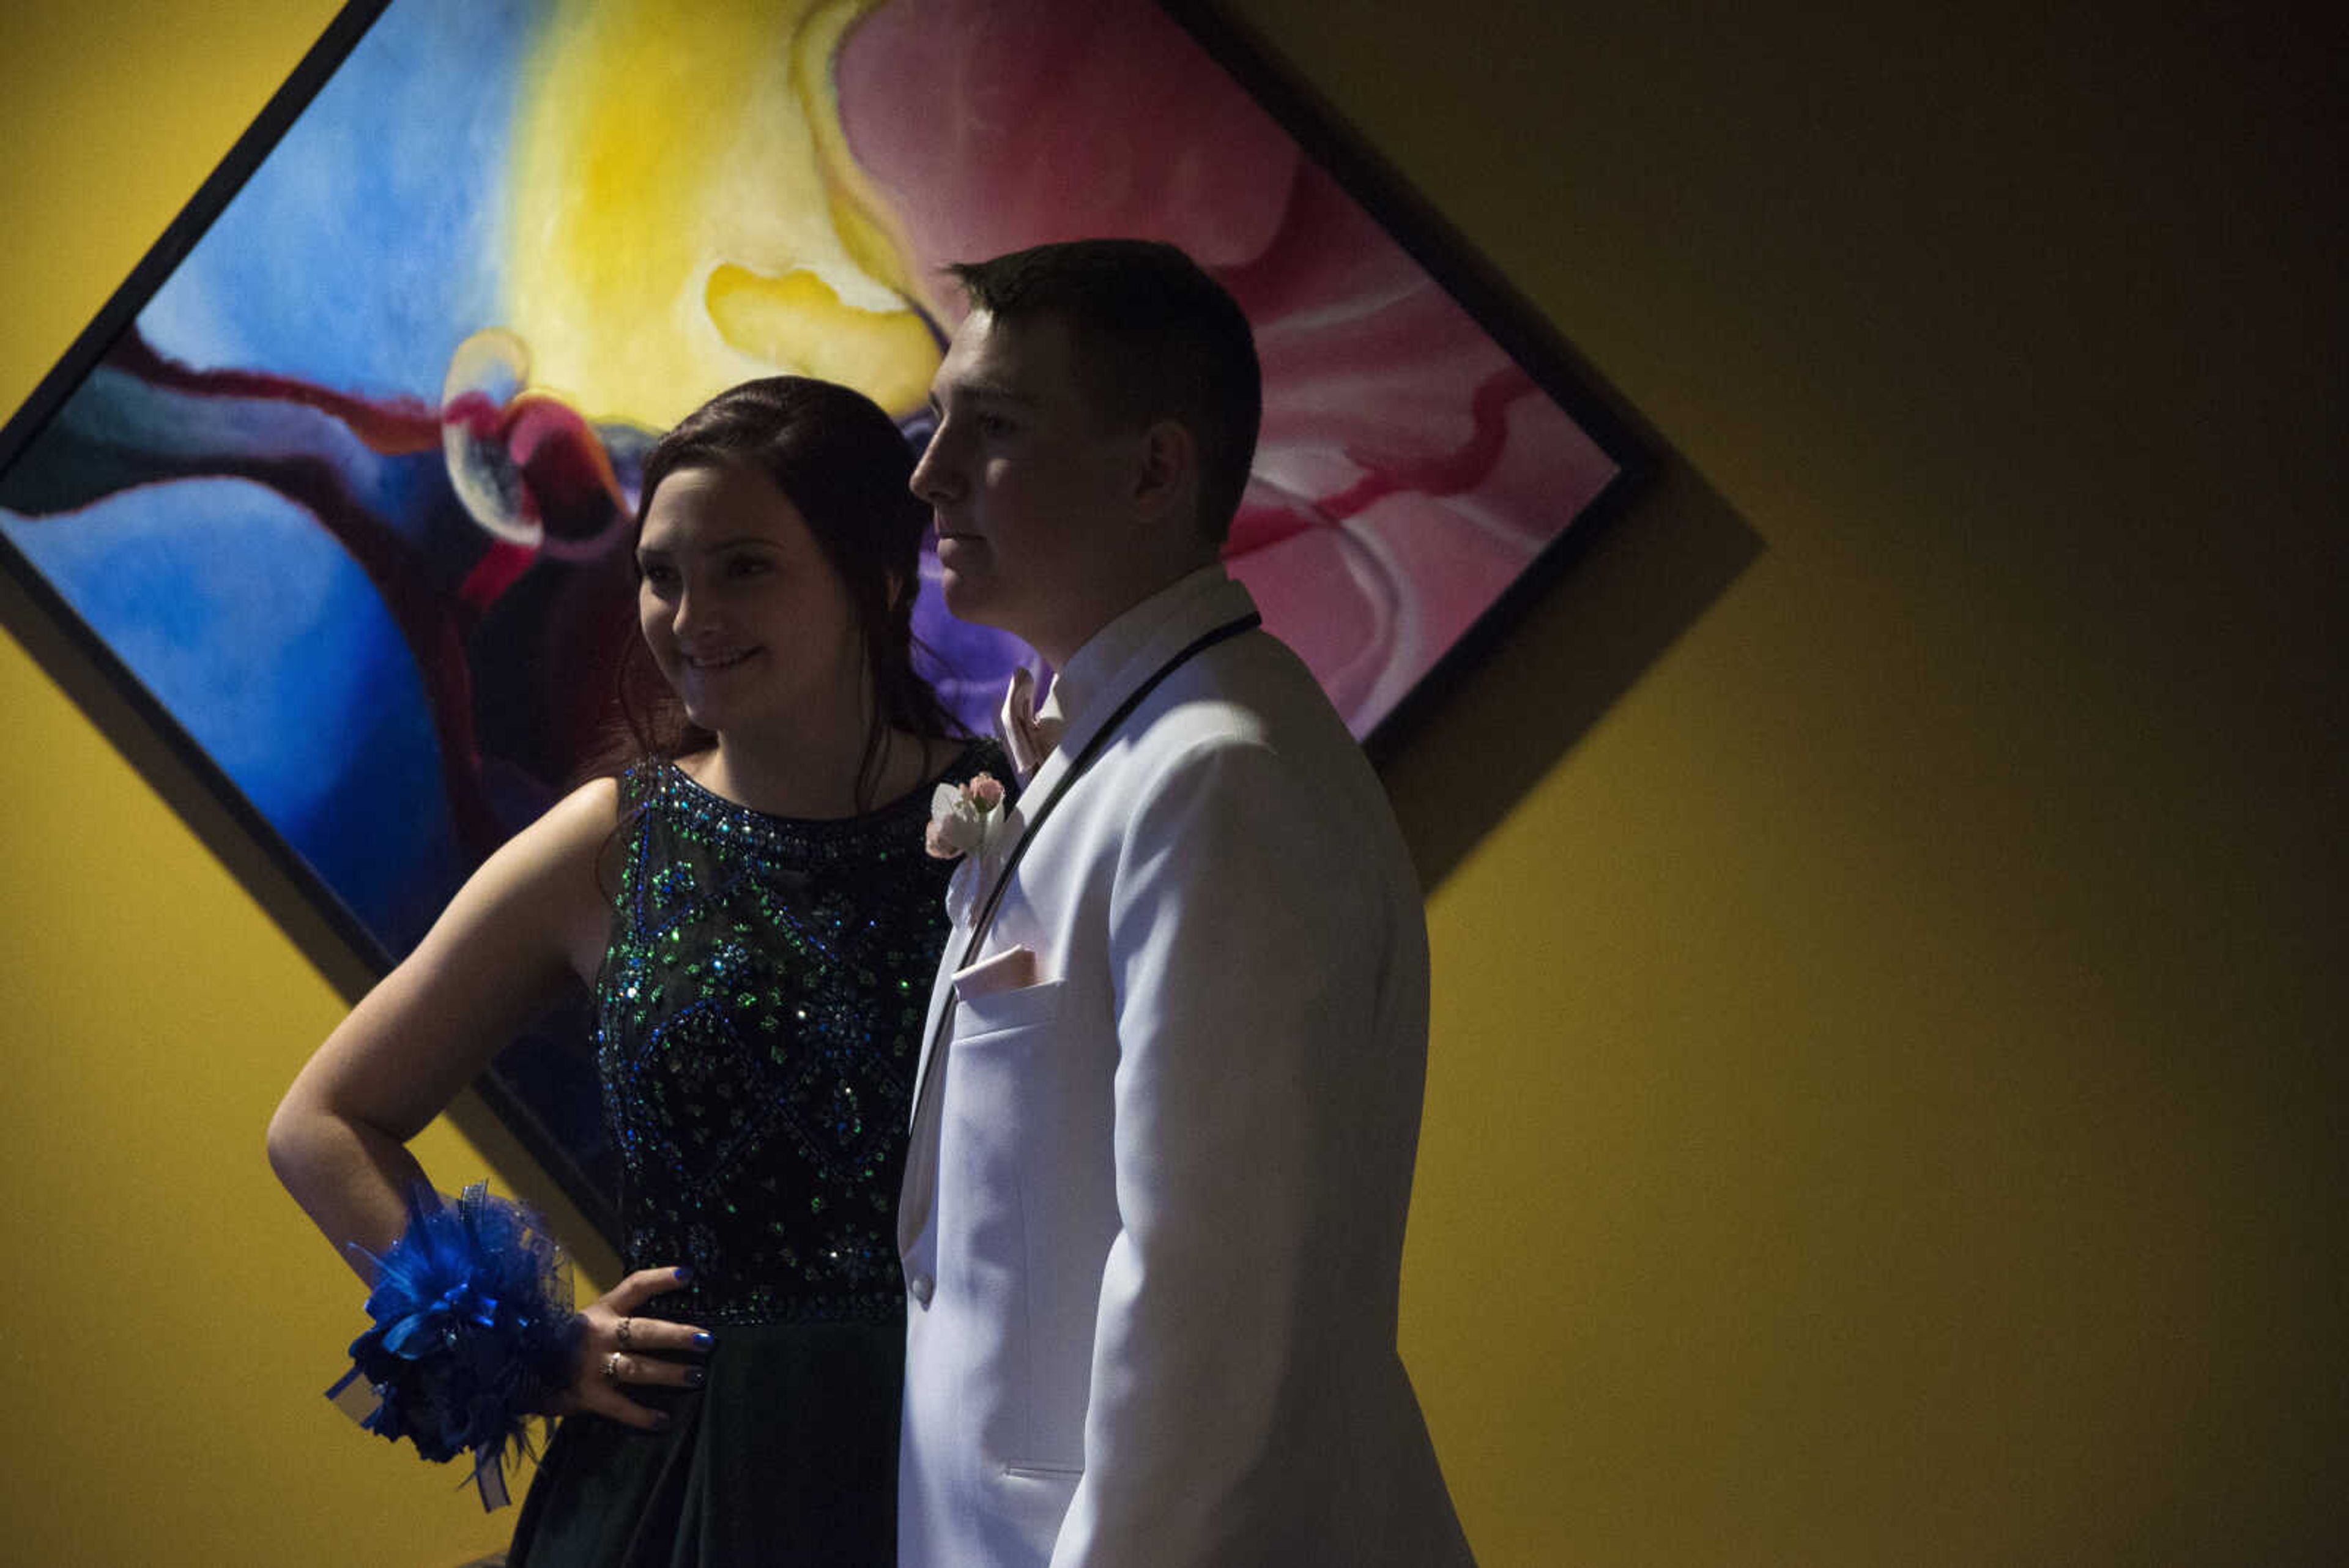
x: 1093, y: 668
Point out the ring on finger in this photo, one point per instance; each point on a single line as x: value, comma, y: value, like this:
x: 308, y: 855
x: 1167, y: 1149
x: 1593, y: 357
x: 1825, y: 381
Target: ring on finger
x: 628, y: 1326
x: 612, y: 1367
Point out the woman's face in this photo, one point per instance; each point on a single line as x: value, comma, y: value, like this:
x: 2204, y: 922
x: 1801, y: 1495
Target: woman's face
x: 746, y: 618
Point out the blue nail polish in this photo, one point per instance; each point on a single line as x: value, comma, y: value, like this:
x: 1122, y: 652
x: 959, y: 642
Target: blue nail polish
x: 701, y: 1340
x: 660, y: 1421
x: 693, y: 1377
x: 685, y: 1275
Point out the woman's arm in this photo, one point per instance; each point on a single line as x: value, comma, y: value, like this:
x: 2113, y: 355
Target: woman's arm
x: 532, y: 918
x: 529, y: 920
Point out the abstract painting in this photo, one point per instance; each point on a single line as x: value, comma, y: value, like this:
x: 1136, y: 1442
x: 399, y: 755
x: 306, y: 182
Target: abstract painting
x: 349, y: 492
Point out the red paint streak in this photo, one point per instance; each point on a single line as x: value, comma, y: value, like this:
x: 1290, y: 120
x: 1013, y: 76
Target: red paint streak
x: 499, y: 566
x: 566, y: 473
x: 474, y: 412
x: 1258, y: 527
x: 391, y: 426
x: 1452, y: 473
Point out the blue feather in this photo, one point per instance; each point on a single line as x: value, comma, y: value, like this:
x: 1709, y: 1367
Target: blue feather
x: 473, y: 1333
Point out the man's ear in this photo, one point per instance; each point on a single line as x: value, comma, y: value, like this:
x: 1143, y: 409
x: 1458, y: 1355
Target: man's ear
x: 1166, y: 477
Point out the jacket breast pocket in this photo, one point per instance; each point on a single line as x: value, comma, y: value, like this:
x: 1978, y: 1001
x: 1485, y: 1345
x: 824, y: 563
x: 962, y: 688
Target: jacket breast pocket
x: 1028, y: 1007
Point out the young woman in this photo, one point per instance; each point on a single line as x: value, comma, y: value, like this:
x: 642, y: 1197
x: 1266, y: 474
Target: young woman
x: 752, y: 907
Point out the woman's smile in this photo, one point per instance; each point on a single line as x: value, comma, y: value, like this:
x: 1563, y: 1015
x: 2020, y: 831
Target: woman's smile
x: 742, y: 612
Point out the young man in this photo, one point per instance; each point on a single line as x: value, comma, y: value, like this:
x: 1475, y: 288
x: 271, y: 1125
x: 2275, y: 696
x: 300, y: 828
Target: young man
x: 1165, y: 1118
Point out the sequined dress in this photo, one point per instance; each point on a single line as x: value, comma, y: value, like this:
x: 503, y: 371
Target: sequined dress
x: 759, y: 1018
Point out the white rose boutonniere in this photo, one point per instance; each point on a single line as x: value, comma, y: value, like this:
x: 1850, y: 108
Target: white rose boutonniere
x: 967, y: 823
x: 963, y: 817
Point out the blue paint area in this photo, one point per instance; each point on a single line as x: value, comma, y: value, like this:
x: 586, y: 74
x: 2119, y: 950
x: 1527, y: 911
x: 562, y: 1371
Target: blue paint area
x: 969, y: 664
x: 118, y: 430
x: 342, y: 267
x: 244, y: 619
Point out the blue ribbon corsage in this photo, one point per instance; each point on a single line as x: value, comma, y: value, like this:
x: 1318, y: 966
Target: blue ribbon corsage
x: 473, y: 1334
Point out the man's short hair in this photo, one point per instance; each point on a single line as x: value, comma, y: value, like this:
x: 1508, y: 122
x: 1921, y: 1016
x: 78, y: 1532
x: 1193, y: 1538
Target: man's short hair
x: 1153, y: 337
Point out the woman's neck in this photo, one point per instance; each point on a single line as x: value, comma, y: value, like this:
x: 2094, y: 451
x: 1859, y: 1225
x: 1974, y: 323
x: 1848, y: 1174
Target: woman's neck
x: 815, y: 775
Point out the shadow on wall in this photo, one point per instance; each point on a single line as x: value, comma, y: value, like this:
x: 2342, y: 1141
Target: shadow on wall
x: 1573, y: 633
x: 1627, y: 585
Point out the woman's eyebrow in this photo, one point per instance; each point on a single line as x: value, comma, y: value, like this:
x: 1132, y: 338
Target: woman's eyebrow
x: 711, y: 547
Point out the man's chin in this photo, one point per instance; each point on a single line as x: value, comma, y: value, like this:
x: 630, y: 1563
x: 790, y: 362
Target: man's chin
x: 966, y: 594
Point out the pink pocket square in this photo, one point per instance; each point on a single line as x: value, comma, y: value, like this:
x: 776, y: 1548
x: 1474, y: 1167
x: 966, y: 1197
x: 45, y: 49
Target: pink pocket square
x: 1007, y: 970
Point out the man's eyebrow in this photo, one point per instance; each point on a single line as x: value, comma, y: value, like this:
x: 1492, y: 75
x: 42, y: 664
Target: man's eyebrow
x: 990, y: 392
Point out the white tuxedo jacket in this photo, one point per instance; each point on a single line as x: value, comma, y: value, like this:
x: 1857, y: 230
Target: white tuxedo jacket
x: 1153, y: 1219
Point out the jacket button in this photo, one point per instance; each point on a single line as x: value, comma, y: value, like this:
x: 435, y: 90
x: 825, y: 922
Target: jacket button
x: 921, y: 1285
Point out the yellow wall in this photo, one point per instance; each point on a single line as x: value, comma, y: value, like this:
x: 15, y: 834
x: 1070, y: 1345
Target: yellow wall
x: 1885, y: 1103
x: 175, y: 1319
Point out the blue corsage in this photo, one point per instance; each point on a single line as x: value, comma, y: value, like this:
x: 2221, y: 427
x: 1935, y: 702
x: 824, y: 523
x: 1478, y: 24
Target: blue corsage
x: 473, y: 1334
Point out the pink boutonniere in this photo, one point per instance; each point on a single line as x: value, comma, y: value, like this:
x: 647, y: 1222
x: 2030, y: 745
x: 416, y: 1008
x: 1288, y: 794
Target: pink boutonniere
x: 966, y: 824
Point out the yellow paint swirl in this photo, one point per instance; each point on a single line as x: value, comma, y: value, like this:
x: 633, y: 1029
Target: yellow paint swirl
x: 686, y: 213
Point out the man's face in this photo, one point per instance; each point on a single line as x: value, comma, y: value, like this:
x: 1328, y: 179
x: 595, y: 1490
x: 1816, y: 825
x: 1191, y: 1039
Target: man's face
x: 1032, y: 488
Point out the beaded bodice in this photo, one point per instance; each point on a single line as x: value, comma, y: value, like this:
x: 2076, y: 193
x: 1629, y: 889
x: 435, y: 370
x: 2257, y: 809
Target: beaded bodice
x: 759, y: 1019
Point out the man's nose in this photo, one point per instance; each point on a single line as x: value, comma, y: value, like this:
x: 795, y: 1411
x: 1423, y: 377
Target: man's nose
x: 933, y: 475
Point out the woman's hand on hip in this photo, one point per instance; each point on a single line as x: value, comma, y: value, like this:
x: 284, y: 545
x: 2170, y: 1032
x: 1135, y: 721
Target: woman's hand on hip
x: 617, y: 1350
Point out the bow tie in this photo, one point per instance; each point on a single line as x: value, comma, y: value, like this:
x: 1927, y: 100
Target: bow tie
x: 1028, y: 735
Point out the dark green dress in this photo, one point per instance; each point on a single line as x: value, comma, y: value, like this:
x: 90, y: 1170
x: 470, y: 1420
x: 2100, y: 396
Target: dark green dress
x: 759, y: 1019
